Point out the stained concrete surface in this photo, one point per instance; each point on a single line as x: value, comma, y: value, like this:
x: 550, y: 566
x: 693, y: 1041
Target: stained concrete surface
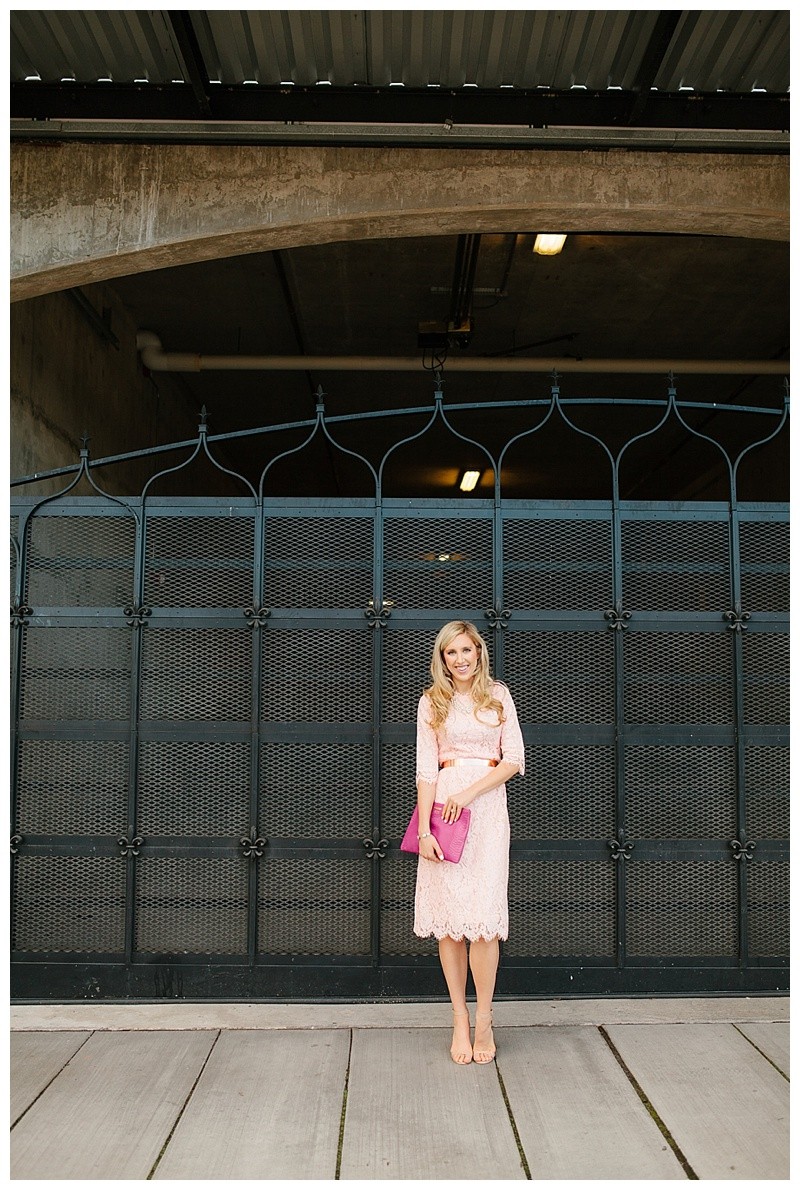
x: 595, y: 1090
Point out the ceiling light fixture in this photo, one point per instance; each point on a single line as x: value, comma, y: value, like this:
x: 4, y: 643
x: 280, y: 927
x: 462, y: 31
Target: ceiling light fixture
x: 469, y: 480
x: 548, y: 245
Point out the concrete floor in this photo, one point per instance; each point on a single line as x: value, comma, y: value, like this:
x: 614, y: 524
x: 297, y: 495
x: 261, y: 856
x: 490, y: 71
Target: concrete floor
x: 588, y: 1089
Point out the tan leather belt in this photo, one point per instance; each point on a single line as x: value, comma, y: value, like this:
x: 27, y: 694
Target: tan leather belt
x: 446, y: 764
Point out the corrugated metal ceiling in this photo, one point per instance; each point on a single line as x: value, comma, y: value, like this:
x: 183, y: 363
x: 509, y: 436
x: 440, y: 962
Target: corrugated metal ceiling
x: 737, y: 51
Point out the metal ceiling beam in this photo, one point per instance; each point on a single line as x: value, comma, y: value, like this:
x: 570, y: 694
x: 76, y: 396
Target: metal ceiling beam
x: 654, y: 54
x: 195, y: 67
x: 507, y: 106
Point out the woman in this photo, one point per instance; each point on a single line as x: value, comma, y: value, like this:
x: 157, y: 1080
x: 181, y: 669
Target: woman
x: 468, y: 745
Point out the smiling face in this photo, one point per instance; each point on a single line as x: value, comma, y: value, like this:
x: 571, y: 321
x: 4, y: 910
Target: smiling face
x: 461, y: 661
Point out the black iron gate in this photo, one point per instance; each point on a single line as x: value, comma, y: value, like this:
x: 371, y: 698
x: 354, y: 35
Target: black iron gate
x: 213, y: 751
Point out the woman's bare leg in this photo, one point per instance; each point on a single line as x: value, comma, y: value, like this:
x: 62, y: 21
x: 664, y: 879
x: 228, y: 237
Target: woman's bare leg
x: 484, y: 956
x: 453, y: 957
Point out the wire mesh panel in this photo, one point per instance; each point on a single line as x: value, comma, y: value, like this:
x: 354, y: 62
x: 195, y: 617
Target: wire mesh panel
x: 72, y: 787
x: 567, y: 792
x: 314, y: 906
x: 68, y: 904
x: 315, y: 789
x: 438, y: 562
x: 560, y: 907
x: 678, y: 677
x: 680, y: 791
x: 398, y: 882
x: 191, y: 905
x: 675, y: 564
x: 764, y: 554
x: 71, y: 672
x: 681, y: 907
x: 81, y: 560
x: 318, y: 561
x: 406, y: 670
x: 398, y: 787
x: 768, y: 907
x: 766, y: 677
x: 561, y: 677
x: 193, y: 788
x: 200, y: 560
x: 316, y: 674
x: 196, y: 673
x: 767, y: 783
x: 556, y: 564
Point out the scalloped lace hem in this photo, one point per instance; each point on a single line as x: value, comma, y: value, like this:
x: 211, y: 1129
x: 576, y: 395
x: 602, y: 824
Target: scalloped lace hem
x: 472, y: 935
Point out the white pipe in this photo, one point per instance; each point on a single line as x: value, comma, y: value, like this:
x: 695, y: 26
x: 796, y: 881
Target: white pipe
x: 157, y: 360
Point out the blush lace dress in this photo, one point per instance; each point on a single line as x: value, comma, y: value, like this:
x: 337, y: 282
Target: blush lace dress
x: 468, y: 899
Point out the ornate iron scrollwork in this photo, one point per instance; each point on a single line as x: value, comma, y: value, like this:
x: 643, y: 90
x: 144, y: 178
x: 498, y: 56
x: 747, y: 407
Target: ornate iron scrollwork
x: 15, y: 842
x: 19, y: 613
x: 377, y: 616
x: 375, y: 847
x: 253, y: 845
x: 620, y: 850
x: 617, y: 617
x: 737, y: 619
x: 742, y: 850
x: 257, y: 616
x: 137, y: 616
x: 132, y: 847
x: 497, y: 616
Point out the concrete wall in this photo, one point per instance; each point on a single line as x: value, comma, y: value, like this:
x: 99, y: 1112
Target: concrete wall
x: 88, y: 212
x: 66, y: 380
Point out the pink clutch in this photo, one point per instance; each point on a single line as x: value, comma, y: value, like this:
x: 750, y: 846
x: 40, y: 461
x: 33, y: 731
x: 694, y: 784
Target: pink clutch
x: 451, y: 836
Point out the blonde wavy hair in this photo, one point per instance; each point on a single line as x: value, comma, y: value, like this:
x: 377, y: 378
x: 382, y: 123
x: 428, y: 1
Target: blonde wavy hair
x: 440, y: 694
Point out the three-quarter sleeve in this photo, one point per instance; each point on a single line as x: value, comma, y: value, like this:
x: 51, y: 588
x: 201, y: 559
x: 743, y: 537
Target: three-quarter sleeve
x: 427, y: 745
x: 512, y: 748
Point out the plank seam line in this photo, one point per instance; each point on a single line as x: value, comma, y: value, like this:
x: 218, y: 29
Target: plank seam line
x: 760, y: 1051
x: 340, y: 1145
x: 513, y: 1122
x: 187, y: 1101
x: 656, y: 1118
x: 52, y: 1080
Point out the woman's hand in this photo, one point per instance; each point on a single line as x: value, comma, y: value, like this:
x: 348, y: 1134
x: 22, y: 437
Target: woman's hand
x: 430, y: 849
x: 451, y: 810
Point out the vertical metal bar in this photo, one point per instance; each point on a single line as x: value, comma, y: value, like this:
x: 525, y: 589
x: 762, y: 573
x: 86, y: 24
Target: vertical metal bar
x: 137, y: 628
x: 497, y: 579
x: 738, y: 695
x: 378, y: 633
x: 16, y: 689
x: 619, y: 714
x: 257, y: 652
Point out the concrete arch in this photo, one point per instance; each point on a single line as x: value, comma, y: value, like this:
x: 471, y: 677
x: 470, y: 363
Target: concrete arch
x: 89, y: 212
